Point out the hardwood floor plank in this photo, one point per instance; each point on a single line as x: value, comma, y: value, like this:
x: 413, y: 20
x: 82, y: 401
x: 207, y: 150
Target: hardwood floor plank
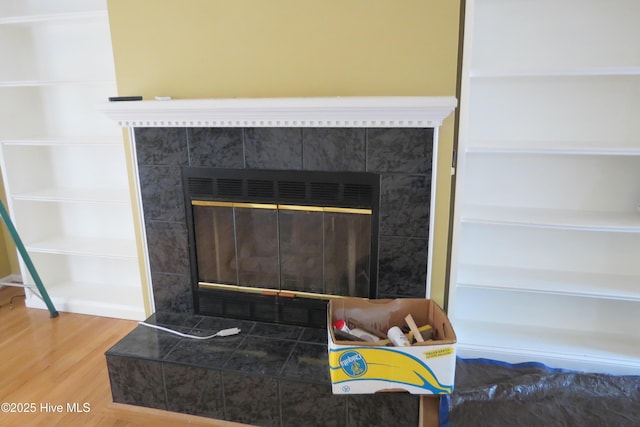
x: 61, y: 361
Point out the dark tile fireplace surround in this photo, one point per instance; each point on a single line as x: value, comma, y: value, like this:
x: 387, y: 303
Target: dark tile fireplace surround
x: 270, y: 374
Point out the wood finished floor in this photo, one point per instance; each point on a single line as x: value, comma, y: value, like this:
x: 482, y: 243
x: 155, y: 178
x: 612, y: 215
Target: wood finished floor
x: 61, y: 361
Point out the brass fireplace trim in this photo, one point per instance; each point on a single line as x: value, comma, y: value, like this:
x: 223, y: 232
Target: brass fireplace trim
x: 272, y: 206
x: 268, y: 291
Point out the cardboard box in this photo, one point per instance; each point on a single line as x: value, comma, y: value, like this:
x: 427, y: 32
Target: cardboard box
x: 358, y: 367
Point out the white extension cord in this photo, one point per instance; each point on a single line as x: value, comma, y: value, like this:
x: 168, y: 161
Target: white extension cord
x: 221, y: 333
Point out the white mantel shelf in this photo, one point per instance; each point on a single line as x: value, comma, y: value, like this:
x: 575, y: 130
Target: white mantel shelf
x: 397, y: 112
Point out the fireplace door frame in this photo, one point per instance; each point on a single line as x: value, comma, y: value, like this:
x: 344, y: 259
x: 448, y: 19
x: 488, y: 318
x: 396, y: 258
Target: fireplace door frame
x: 336, y: 191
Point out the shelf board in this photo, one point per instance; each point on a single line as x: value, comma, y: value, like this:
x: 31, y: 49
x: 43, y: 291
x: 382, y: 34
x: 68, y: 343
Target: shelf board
x: 544, y: 147
x: 119, y: 301
x: 108, y: 248
x: 52, y: 17
x: 555, y: 72
x: 571, y: 283
x: 552, y: 218
x: 12, y: 280
x: 75, y: 195
x: 543, y: 344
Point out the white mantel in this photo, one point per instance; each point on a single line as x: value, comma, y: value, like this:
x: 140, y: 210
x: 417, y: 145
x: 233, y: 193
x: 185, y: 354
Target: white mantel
x: 401, y: 111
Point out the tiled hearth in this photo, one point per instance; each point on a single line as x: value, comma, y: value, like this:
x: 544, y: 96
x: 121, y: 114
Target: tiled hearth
x: 269, y: 375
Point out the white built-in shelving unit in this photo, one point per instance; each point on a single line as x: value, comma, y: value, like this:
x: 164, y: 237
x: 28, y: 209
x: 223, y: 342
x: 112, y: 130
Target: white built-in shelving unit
x: 546, y: 253
x: 63, y: 163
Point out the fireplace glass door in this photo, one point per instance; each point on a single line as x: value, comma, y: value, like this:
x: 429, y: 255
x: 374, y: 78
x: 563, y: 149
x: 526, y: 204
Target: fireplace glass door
x: 308, y: 251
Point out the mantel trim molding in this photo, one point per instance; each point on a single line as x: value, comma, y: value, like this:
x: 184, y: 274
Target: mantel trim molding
x: 397, y: 112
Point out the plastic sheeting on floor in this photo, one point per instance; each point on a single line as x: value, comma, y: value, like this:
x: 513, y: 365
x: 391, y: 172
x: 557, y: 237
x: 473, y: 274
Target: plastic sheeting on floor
x: 495, y: 394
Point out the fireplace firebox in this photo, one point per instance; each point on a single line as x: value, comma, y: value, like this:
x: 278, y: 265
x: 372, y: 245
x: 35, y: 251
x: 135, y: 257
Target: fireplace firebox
x: 275, y: 245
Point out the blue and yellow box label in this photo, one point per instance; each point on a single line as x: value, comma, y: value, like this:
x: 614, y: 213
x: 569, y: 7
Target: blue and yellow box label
x: 370, y: 369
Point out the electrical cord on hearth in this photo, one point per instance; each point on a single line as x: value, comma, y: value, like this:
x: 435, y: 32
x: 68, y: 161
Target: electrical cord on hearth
x: 220, y: 333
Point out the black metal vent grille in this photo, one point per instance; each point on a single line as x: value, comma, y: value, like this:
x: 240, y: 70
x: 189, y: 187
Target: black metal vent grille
x: 336, y: 189
x: 289, y: 311
x: 260, y: 189
x: 229, y: 187
x: 325, y: 191
x: 357, y: 193
x: 200, y: 186
x: 292, y: 190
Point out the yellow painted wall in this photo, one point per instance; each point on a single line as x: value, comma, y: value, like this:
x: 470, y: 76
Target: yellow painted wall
x: 294, y: 48
x: 8, y: 255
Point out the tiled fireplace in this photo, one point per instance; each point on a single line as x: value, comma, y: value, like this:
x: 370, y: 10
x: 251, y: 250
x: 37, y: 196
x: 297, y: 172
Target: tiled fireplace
x: 274, y: 372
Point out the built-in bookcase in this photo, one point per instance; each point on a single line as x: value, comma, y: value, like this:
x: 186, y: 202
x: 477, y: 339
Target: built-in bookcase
x: 546, y: 255
x: 63, y: 163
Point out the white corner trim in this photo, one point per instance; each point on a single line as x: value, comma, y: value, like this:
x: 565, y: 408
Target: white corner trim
x: 399, y: 112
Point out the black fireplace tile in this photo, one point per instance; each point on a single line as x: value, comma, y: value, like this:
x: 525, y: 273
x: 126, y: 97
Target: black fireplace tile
x: 262, y: 356
x: 273, y: 148
x: 144, y: 342
x: 251, y: 399
x: 383, y: 409
x: 172, y: 293
x: 312, y: 405
x: 399, y: 150
x: 136, y: 382
x: 402, y: 267
x: 334, y: 149
x: 161, y: 192
x: 272, y: 330
x: 314, y: 335
x: 309, y: 362
x: 161, y: 146
x: 195, y: 391
x: 181, y: 321
x: 216, y: 147
x: 210, y: 325
x: 404, y: 205
x: 211, y: 353
x: 167, y: 242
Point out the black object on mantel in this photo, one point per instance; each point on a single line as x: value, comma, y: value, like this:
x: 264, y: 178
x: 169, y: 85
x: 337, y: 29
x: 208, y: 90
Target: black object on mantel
x: 125, y: 98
